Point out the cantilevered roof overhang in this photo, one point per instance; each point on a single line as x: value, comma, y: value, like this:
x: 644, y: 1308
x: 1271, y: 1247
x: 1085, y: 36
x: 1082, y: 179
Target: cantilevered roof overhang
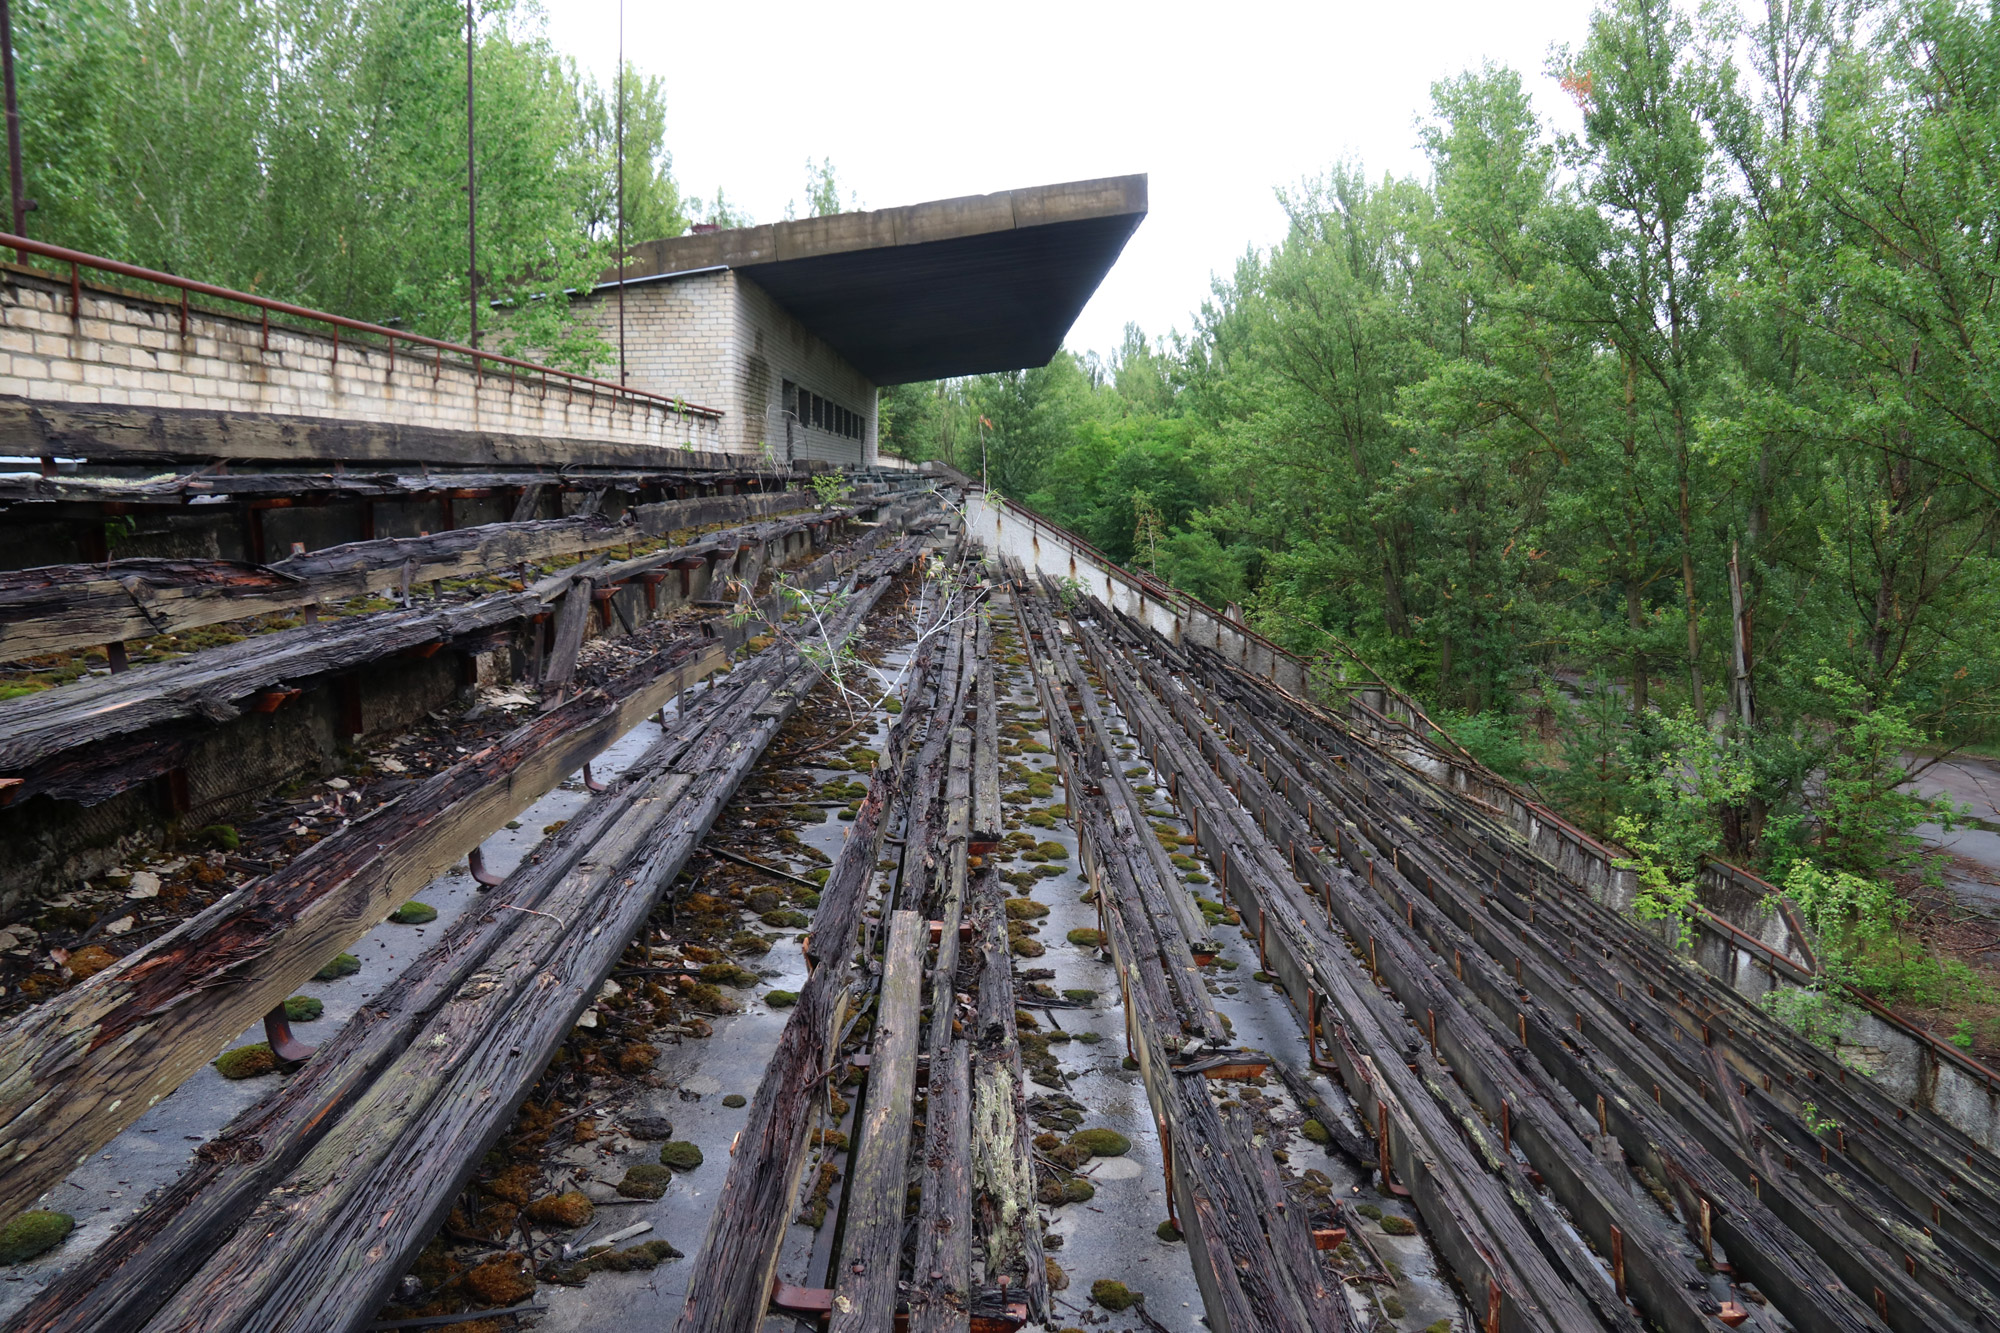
x: 954, y: 287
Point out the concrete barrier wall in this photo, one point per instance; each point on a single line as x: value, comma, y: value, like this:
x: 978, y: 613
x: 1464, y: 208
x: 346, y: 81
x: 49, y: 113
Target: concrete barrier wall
x: 126, y: 350
x: 1009, y: 531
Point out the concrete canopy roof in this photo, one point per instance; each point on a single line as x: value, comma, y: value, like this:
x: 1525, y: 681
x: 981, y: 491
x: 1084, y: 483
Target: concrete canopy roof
x: 954, y: 287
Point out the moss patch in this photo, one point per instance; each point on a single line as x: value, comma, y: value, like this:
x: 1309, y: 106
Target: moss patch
x: 502, y: 1280
x: 414, y: 913
x: 33, y: 1233
x: 1102, y: 1142
x: 637, y: 1259
x: 1087, y: 937
x: 645, y: 1181
x: 570, y: 1209
x: 1315, y: 1131
x: 1078, y: 1190
x: 781, y: 999
x: 1398, y: 1226
x: 734, y: 1100
x: 1114, y: 1295
x: 88, y: 962
x: 1025, y: 909
x: 1080, y: 996
x: 1028, y: 948
x: 343, y: 965
x: 786, y: 918
x: 303, y: 1008
x: 247, y: 1061
x: 680, y: 1155
x: 1167, y: 1232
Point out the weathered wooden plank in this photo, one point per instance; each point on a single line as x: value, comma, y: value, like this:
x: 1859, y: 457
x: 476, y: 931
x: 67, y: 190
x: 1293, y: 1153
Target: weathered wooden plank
x: 871, y: 1258
x: 987, y: 824
x: 326, y: 1244
x: 1003, y: 1174
x: 80, y: 1067
x: 731, y: 1278
x: 61, y: 607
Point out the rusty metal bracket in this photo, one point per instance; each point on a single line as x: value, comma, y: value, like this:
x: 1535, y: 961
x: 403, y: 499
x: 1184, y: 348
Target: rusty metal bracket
x: 278, y: 1032
x: 475, y: 861
x: 591, y: 784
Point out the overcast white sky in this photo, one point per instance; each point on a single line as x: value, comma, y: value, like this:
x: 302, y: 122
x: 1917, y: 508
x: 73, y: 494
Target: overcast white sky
x: 1218, y: 103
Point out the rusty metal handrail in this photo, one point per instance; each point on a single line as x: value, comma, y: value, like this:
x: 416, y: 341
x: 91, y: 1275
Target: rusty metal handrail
x: 78, y: 260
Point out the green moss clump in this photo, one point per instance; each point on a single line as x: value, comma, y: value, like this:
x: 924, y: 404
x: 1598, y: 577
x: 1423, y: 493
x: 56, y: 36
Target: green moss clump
x: 247, y: 1061
x: 223, y: 836
x: 645, y: 1181
x: 303, y: 1008
x: 1102, y: 1142
x: 1262, y: 976
x: 1131, y: 1062
x: 1167, y: 1232
x: 1114, y: 1295
x: 1398, y: 1226
x: 1025, y: 909
x: 786, y: 918
x: 343, y: 965
x: 805, y: 897
x: 1315, y: 1131
x: 744, y: 941
x: 1080, y: 996
x: 734, y: 1100
x: 781, y: 999
x: 1087, y: 937
x: 729, y: 974
x: 1181, y: 862
x: 1373, y: 1212
x: 680, y: 1155
x: 413, y: 913
x: 33, y: 1233
x: 1195, y: 877
x: 1438, y: 1326
x: 1078, y: 1190
x: 1392, y: 1306
x: 1028, y: 948
x: 1055, y: 851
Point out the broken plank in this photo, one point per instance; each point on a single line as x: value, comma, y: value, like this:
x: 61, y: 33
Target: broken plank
x: 871, y: 1258
x: 82, y: 1066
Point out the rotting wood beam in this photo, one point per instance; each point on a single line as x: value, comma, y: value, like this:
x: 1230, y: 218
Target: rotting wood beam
x: 58, y: 608
x: 324, y: 1247
x: 1774, y: 1256
x: 871, y: 1255
x: 1253, y: 1254
x: 83, y: 1065
x: 1850, y: 1222
x: 735, y: 1269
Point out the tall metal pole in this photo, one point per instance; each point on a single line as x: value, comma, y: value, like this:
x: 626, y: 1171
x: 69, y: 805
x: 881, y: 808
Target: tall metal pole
x: 621, y: 189
x: 14, y: 178
x: 471, y: 185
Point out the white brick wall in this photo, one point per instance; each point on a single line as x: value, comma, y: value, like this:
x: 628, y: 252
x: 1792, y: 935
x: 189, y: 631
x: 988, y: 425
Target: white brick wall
x: 129, y: 350
x: 721, y: 340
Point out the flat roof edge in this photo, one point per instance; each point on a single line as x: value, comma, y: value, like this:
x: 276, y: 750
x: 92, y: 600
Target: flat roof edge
x: 909, y: 224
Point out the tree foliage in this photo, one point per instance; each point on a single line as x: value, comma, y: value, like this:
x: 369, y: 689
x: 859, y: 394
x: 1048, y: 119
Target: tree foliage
x: 1522, y: 433
x: 315, y: 150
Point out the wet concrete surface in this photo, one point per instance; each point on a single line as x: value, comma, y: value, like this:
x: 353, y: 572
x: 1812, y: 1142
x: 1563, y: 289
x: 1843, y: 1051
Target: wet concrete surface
x: 1973, y: 783
x: 151, y: 1153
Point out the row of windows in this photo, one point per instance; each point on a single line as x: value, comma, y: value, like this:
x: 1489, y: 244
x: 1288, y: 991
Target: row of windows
x: 813, y: 410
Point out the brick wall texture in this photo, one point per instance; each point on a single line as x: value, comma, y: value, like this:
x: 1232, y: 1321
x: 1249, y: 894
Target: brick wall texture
x: 127, y: 350
x: 722, y: 341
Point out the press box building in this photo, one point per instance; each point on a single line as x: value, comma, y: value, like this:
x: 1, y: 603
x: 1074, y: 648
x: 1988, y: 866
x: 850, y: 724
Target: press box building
x: 789, y: 329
